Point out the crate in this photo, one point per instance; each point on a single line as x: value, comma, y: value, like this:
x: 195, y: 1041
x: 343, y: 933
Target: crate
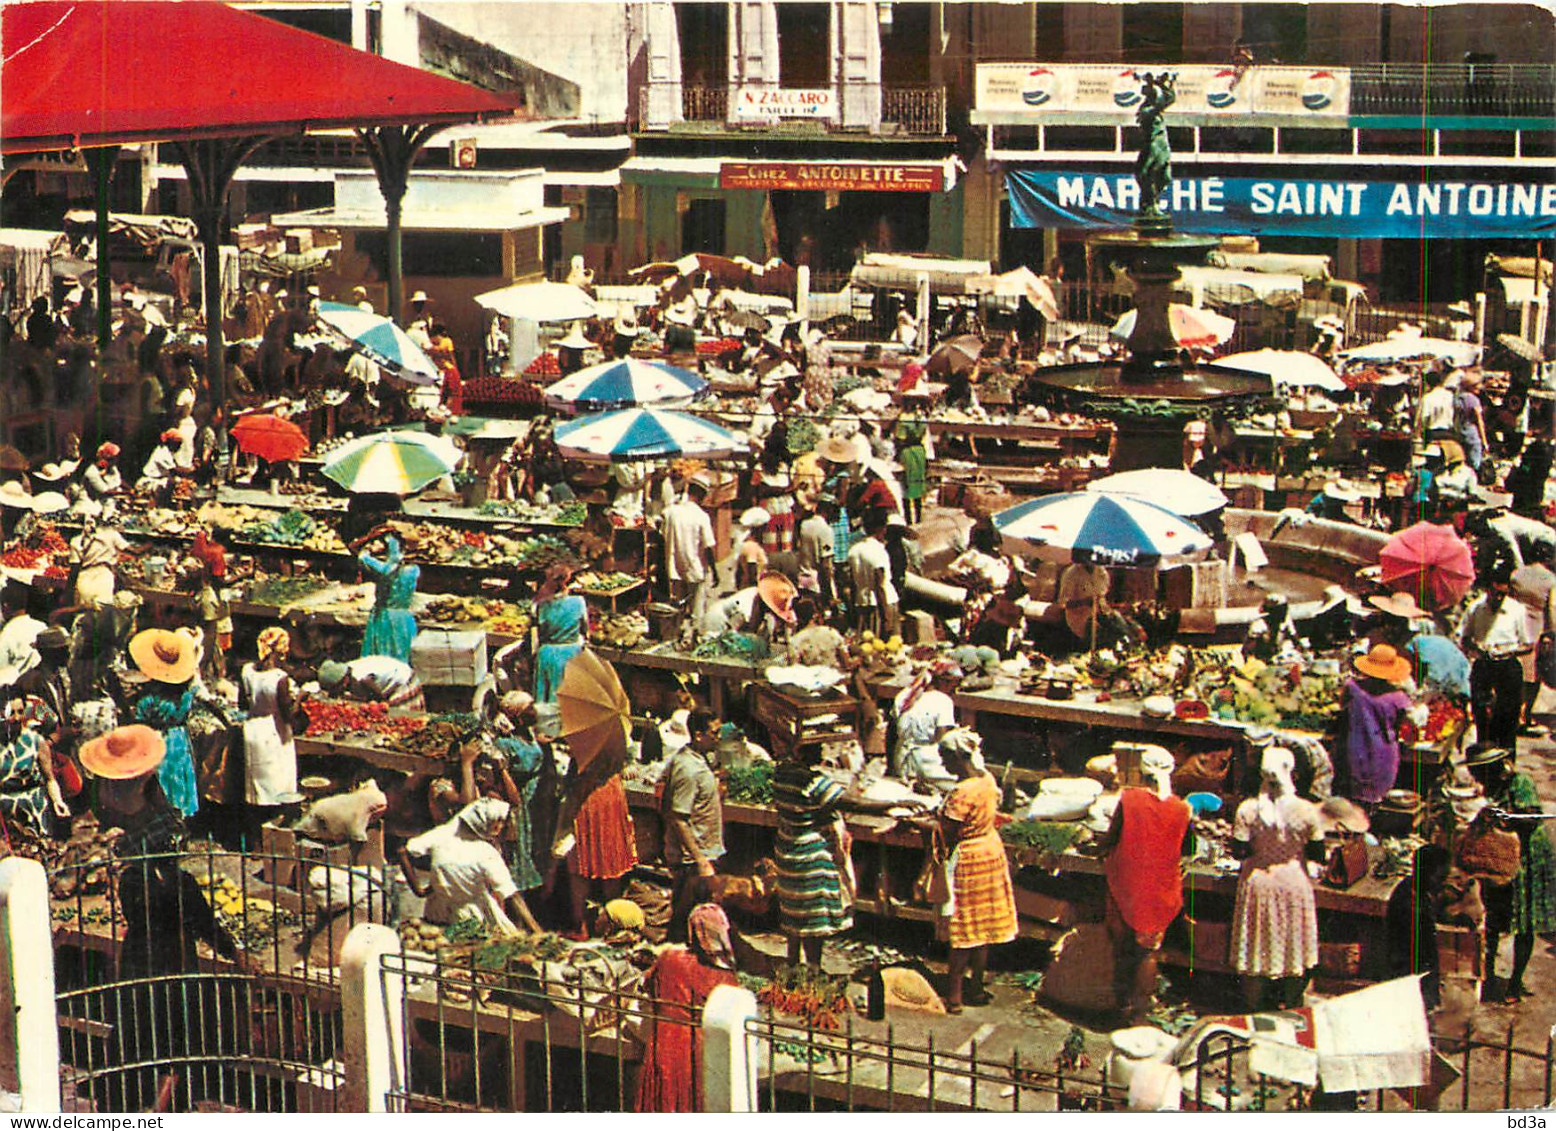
x: 288, y: 855
x: 448, y: 658
x: 1046, y: 908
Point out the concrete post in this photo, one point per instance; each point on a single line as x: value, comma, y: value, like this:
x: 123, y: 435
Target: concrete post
x: 29, y: 1028
x: 802, y: 298
x: 728, y: 1052
x: 523, y: 343
x: 372, y: 1018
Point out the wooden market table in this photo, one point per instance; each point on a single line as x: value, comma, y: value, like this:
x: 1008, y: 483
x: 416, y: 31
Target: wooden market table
x: 888, y: 855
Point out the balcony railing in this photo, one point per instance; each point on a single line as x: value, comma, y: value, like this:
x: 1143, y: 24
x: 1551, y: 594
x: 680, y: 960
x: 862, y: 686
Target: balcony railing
x: 1473, y: 90
x: 918, y: 111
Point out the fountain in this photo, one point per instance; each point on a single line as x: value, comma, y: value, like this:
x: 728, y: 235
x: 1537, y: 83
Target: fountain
x: 1153, y: 393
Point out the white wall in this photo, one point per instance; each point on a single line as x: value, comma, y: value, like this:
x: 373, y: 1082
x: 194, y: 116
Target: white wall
x: 585, y: 43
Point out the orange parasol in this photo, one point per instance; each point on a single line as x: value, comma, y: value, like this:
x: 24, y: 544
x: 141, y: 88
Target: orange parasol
x: 269, y: 437
x: 594, y: 708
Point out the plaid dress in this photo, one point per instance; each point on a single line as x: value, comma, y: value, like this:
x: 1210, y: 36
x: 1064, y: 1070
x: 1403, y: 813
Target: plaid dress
x: 810, y: 891
x: 985, y: 913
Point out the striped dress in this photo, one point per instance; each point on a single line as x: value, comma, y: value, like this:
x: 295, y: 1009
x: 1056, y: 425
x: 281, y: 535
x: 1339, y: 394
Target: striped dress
x: 985, y: 901
x: 810, y: 893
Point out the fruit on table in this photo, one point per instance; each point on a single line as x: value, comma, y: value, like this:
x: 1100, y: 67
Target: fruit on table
x: 328, y: 716
x: 593, y: 582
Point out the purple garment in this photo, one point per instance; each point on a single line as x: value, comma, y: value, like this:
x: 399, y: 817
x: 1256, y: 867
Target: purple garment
x: 1372, y: 736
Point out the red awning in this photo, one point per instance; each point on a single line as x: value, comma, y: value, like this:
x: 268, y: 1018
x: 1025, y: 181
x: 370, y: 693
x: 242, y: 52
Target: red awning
x: 95, y: 72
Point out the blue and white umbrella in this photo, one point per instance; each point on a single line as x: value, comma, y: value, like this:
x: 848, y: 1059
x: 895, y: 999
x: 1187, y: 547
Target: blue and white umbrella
x: 645, y: 433
x: 1099, y: 529
x: 382, y: 341
x: 626, y: 381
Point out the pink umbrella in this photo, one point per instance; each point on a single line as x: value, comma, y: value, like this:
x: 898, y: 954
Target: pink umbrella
x: 1431, y: 562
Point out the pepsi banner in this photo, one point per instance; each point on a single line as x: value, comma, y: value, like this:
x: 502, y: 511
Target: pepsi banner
x: 1276, y: 206
x: 1044, y: 89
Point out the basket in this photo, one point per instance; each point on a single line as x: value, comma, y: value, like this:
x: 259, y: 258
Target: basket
x: 1339, y: 960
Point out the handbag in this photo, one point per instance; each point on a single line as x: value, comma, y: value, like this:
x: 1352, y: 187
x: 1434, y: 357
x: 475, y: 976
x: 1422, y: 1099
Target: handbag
x: 1347, y: 863
x: 1489, y: 853
x: 933, y: 886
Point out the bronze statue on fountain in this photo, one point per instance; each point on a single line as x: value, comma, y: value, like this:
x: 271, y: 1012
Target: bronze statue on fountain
x: 1155, y: 391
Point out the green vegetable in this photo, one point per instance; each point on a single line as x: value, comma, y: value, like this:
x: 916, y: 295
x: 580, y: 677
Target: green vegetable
x: 465, y: 930
x: 1049, y: 836
x: 750, y: 785
x: 734, y: 645
x: 803, y: 436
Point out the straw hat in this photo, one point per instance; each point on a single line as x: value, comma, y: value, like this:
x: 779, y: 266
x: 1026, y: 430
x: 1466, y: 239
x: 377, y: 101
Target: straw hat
x: 777, y: 593
x: 575, y: 339
x: 835, y: 449
x: 50, y: 502
x: 124, y: 753
x: 1384, y: 663
x: 1487, y: 755
x: 13, y: 495
x: 50, y: 472
x: 420, y: 296
x: 626, y: 324
x: 1398, y: 605
x: 1341, y: 491
x: 167, y: 657
x: 1337, y: 814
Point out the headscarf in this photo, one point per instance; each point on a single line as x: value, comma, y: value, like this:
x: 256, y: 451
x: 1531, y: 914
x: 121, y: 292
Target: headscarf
x: 707, y: 930
x: 515, y: 703
x: 967, y: 743
x: 485, y: 817
x: 1276, y: 767
x: 107, y: 452
x: 274, y: 641
x: 1157, y: 764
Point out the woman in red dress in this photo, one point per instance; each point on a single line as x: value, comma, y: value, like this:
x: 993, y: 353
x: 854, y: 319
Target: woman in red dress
x: 443, y: 356
x: 679, y: 983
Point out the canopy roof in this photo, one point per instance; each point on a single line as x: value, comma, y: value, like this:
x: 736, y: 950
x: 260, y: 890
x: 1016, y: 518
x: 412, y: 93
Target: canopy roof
x: 89, y: 73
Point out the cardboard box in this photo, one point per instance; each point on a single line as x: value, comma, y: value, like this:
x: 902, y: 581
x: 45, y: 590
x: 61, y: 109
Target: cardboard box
x: 288, y: 855
x: 442, y: 657
x: 299, y: 240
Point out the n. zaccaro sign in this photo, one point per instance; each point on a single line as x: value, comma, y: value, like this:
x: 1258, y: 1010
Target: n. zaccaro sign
x: 1348, y: 209
x: 768, y: 104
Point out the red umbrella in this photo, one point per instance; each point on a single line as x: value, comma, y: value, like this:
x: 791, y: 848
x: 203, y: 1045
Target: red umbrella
x: 1431, y: 562
x: 269, y: 437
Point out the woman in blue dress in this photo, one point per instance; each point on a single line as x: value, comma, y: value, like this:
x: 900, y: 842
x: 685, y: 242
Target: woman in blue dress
x: 561, y: 625
x: 168, y: 660
x: 391, y: 627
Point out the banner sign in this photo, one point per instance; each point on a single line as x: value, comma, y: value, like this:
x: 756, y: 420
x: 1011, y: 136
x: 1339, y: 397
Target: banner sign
x: 1411, y: 209
x: 1085, y: 88
x: 834, y: 177
x: 768, y: 104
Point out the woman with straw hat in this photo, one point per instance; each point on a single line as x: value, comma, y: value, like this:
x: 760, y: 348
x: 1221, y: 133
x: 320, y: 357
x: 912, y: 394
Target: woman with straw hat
x: 1372, y: 706
x: 166, y: 918
x: 169, y: 661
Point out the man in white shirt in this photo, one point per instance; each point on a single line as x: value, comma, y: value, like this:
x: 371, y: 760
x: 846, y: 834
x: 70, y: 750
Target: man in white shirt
x: 815, y: 543
x: 18, y: 637
x: 690, y: 545
x: 875, y: 597
x: 1082, y: 596
x: 374, y: 679
x: 1495, y: 635
x: 1434, y: 416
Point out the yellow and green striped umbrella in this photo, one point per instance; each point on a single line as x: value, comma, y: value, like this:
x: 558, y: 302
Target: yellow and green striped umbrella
x: 394, y: 463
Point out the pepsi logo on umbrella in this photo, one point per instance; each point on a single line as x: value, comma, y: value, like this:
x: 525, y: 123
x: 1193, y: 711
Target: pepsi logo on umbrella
x: 1039, y: 87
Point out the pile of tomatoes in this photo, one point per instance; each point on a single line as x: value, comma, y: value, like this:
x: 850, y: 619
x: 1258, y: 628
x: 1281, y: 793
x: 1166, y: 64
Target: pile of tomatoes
x: 326, y: 716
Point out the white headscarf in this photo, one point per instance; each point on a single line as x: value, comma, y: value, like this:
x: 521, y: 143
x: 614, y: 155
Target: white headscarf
x: 1276, y: 767
x: 967, y: 743
x: 1157, y: 765
x: 485, y: 817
